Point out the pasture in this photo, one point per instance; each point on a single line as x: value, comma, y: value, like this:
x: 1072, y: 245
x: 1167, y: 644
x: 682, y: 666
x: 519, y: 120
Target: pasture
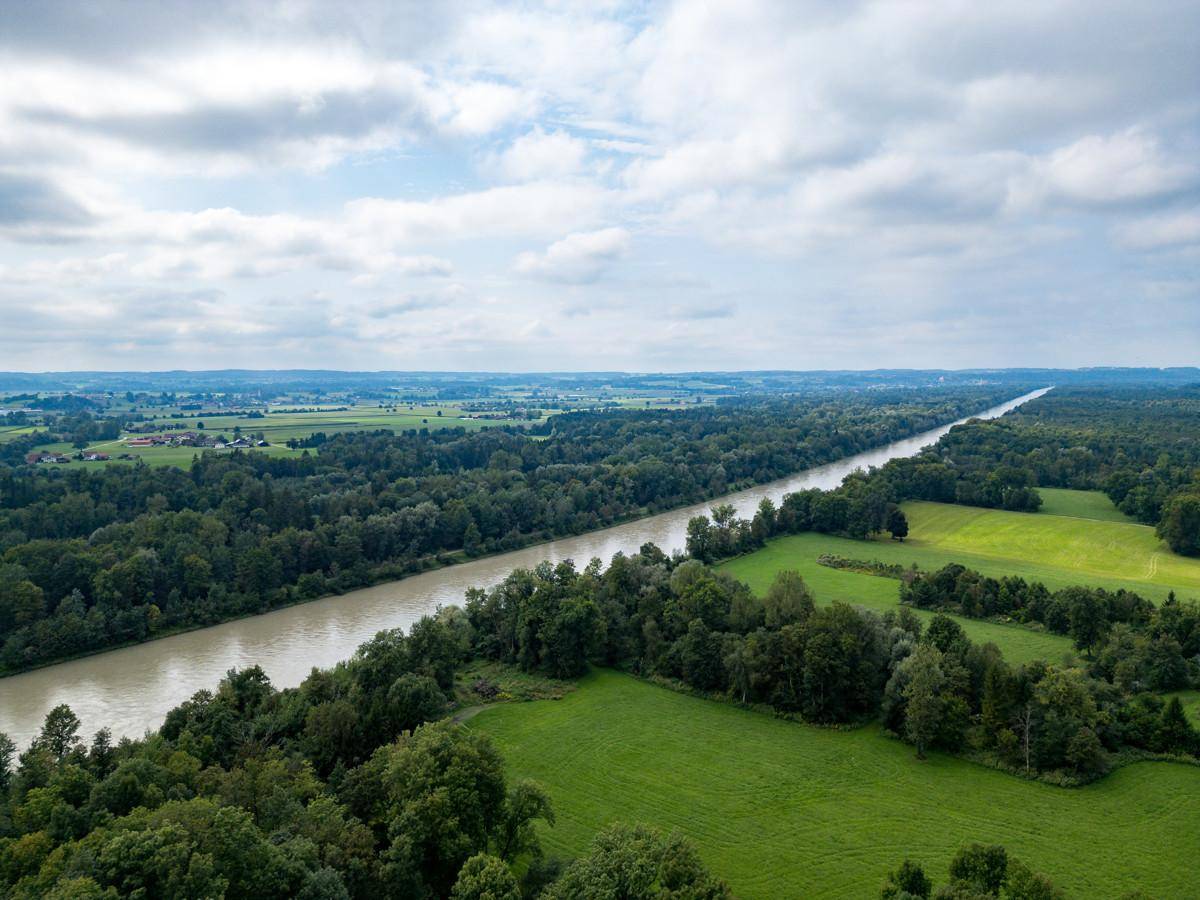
x: 780, y: 809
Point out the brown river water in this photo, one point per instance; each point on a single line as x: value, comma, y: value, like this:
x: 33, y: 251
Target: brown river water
x: 131, y: 690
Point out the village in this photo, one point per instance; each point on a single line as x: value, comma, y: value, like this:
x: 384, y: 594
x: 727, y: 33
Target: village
x: 182, y: 439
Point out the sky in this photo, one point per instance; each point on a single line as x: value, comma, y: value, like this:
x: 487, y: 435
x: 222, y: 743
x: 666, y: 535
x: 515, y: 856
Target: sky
x: 599, y: 185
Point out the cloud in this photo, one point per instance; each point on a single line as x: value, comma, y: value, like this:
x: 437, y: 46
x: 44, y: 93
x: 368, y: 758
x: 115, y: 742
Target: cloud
x: 540, y: 155
x: 1128, y: 167
x: 577, y: 258
x: 1173, y: 229
x: 301, y: 181
x: 27, y: 201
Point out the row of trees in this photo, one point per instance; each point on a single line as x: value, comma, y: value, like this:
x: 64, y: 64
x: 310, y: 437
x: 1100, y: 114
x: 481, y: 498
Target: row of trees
x: 94, y: 558
x: 977, y: 872
x: 1092, y: 616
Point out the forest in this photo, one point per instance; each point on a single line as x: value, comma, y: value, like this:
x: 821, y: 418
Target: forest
x: 91, y: 559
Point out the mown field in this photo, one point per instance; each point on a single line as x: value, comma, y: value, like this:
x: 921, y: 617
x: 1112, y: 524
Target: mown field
x: 1054, y: 549
x: 786, y: 810
x: 1081, y: 504
x: 1048, y: 547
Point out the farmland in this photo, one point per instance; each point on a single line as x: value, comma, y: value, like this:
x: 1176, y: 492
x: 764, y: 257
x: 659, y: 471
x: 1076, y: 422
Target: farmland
x: 279, y: 427
x: 782, y: 809
x: 1057, y: 550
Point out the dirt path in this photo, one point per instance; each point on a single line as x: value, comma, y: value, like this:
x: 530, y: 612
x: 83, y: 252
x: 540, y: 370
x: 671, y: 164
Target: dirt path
x: 469, y: 713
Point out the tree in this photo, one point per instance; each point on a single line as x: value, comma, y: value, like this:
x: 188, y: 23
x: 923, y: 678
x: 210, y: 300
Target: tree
x: 8, y: 750
x: 980, y: 867
x: 60, y: 732
x: 700, y: 539
x: 634, y: 863
x: 1022, y: 883
x: 1180, y: 524
x: 923, y: 709
x: 897, y: 523
x: 788, y: 600
x: 484, y: 877
x: 907, y: 881
x: 1088, y: 617
x: 1175, y: 733
x: 323, y: 884
x: 526, y: 803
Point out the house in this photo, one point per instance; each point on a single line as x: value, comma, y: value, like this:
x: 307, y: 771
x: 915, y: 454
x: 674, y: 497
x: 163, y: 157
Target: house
x: 95, y: 457
x: 140, y: 442
x: 238, y: 444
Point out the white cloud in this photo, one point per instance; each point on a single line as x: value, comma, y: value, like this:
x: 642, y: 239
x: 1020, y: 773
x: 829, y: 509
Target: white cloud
x: 1127, y: 167
x: 1172, y: 229
x: 268, y: 178
x: 539, y: 155
x: 577, y: 258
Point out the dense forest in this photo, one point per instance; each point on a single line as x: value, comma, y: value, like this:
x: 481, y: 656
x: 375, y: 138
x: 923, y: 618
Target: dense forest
x: 94, y: 559
x: 355, y: 785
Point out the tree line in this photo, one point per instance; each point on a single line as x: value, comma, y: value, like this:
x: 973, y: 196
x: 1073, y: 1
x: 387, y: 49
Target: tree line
x: 96, y: 558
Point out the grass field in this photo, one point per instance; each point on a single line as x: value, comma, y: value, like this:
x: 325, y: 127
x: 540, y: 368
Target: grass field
x: 780, y: 809
x: 800, y: 552
x: 1080, y: 504
x: 1058, y: 549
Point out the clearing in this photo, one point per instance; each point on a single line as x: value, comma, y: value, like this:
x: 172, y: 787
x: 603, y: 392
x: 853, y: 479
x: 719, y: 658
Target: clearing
x: 780, y: 809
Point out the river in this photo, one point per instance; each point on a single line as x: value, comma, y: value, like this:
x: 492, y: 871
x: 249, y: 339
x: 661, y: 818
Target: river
x: 131, y: 690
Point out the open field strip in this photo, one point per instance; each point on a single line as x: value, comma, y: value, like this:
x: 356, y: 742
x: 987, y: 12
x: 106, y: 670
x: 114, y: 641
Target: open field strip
x: 1058, y: 549
x: 800, y: 552
x: 786, y: 810
x: 1081, y: 505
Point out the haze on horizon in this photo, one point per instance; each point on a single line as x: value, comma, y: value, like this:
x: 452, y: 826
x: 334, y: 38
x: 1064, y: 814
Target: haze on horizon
x: 601, y: 186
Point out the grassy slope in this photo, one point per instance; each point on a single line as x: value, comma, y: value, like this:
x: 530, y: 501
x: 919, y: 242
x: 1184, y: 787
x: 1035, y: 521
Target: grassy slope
x: 1081, y: 504
x: 780, y: 809
x: 800, y: 552
x: 1066, y: 549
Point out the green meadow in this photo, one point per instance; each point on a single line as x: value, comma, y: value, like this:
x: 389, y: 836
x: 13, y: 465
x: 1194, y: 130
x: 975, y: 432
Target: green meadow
x: 1080, y: 504
x: 780, y: 809
x: 1058, y: 550
x: 800, y: 552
